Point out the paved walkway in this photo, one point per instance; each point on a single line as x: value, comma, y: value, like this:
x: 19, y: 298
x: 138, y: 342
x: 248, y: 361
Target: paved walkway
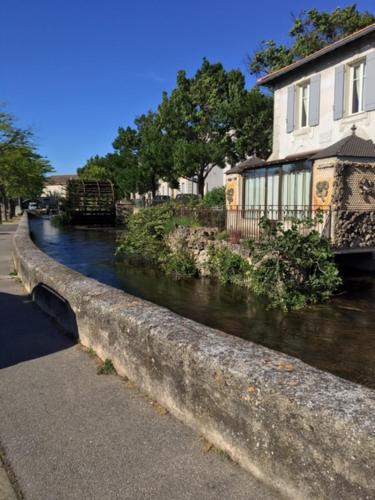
x: 68, y: 433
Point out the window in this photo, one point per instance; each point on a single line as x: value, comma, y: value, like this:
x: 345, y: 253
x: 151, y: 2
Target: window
x: 303, y: 98
x: 255, y: 188
x: 356, y: 74
x: 283, y: 187
x: 296, y: 185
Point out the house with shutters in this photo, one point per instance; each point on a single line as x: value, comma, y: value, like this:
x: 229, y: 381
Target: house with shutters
x: 323, y: 152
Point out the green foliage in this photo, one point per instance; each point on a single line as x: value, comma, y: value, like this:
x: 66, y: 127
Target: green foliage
x: 180, y: 265
x: 142, y: 156
x: 227, y: 266
x: 95, y: 169
x: 222, y: 236
x: 311, y: 31
x: 145, y: 240
x: 187, y: 221
x: 106, y: 368
x: 145, y: 235
x: 22, y: 169
x: 60, y: 220
x: 290, y: 267
x: 215, y: 198
x: 293, y: 267
x: 208, y: 118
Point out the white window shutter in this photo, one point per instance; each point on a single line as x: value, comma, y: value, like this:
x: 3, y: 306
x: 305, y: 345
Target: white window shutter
x: 290, y: 109
x: 338, y: 108
x: 314, y: 101
x: 369, y: 86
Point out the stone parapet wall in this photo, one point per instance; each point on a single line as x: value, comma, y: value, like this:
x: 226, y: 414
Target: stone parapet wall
x: 307, y: 432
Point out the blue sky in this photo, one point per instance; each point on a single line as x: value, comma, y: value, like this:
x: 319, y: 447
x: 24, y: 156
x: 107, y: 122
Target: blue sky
x: 75, y: 70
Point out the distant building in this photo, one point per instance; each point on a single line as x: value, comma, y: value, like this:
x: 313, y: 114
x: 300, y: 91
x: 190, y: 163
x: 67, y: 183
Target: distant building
x: 216, y: 178
x: 55, y: 185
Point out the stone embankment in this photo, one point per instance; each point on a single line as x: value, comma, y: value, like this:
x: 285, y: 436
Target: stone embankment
x: 307, y: 432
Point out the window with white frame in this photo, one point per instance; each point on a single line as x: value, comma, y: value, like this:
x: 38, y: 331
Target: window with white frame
x: 356, y: 79
x: 303, y: 98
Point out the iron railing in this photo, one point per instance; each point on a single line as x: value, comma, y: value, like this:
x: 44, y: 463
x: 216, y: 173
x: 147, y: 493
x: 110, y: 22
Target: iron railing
x: 244, y: 223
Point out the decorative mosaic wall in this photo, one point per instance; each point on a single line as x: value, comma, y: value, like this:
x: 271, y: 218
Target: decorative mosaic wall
x: 354, y: 199
x: 359, y: 190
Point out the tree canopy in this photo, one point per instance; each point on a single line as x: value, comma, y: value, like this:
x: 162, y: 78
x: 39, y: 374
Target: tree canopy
x: 209, y: 119
x: 22, y: 169
x: 311, y: 30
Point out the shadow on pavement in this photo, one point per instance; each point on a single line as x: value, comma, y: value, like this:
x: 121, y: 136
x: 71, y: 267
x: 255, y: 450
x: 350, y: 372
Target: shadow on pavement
x: 26, y: 332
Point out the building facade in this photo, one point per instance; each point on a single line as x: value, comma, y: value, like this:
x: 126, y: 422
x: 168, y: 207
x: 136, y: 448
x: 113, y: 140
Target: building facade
x: 55, y: 185
x: 323, y: 141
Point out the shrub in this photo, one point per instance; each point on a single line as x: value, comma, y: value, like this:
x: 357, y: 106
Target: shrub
x: 180, y: 265
x: 222, y: 236
x: 182, y: 220
x: 227, y: 266
x: 214, y: 198
x: 292, y: 267
x: 61, y: 219
x: 145, y: 235
x: 145, y: 240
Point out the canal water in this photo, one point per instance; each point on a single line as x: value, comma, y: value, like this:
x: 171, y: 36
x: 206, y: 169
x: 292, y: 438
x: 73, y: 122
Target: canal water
x: 338, y: 337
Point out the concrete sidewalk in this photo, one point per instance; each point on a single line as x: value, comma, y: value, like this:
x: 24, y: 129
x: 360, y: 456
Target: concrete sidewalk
x: 68, y: 433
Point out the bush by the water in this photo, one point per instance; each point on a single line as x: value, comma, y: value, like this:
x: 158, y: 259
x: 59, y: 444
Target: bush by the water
x: 145, y: 240
x: 61, y: 219
x: 180, y: 264
x: 227, y: 267
x: 291, y: 267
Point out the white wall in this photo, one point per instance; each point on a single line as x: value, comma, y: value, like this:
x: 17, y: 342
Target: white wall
x: 328, y: 131
x: 58, y: 190
x: 216, y: 178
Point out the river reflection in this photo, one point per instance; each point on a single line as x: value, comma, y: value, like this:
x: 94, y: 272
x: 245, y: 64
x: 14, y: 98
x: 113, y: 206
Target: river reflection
x: 338, y: 337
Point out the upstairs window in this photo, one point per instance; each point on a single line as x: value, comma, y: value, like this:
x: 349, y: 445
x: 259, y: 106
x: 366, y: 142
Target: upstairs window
x: 357, y: 75
x: 303, y: 100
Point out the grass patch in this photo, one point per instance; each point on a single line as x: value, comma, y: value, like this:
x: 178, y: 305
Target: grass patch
x: 106, y: 368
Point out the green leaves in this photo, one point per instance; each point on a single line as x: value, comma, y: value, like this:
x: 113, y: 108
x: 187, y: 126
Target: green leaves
x: 215, y: 198
x: 293, y: 267
x: 144, y: 237
x: 311, y: 31
x: 22, y: 169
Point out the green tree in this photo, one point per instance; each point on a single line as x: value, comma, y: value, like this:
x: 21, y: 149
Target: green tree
x: 95, y: 169
x: 22, y: 169
x: 311, y: 31
x: 253, y: 124
x: 201, y: 117
x: 142, y: 156
x: 155, y: 152
x: 121, y: 167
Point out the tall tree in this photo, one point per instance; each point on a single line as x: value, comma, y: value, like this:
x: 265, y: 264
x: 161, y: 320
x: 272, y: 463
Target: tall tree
x: 142, y: 156
x: 155, y: 152
x: 311, y: 31
x: 22, y: 169
x: 201, y: 117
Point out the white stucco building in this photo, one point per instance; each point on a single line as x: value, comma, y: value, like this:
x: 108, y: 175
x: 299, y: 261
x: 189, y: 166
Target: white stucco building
x: 216, y: 178
x: 323, y: 143
x: 319, y: 98
x: 55, y: 185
